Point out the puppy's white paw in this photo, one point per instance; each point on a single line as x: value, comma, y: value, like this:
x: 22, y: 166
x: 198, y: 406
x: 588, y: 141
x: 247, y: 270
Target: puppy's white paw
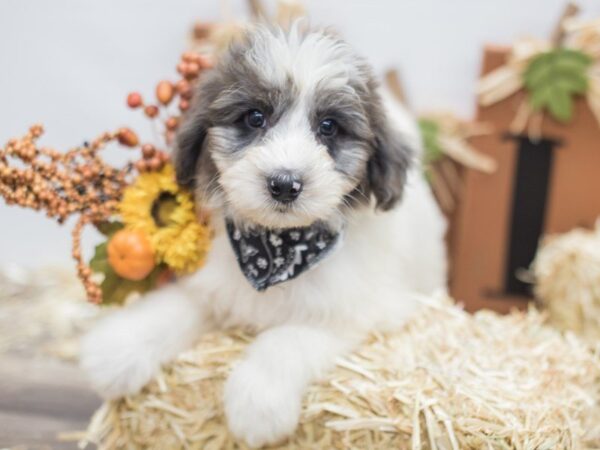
x: 260, y: 410
x: 117, y: 360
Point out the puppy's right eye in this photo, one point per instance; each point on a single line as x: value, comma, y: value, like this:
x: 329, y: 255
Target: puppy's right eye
x: 255, y: 119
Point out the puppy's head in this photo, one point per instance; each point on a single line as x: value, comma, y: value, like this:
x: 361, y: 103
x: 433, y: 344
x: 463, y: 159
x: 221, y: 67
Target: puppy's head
x: 289, y: 129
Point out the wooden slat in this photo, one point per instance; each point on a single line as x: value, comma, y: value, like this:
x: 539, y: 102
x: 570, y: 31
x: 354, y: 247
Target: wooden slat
x: 32, y: 431
x: 40, y: 399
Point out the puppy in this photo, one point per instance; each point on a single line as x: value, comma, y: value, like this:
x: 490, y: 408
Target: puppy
x: 289, y: 145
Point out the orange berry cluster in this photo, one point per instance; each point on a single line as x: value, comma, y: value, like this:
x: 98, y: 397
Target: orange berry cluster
x: 152, y: 159
x: 92, y: 290
x: 61, y: 184
x: 180, y: 92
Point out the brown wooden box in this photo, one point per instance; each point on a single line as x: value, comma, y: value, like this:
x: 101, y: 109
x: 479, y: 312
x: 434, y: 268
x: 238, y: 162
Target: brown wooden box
x: 550, y: 186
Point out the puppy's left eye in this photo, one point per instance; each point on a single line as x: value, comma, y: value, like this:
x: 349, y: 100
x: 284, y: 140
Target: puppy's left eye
x: 255, y: 119
x: 328, y: 127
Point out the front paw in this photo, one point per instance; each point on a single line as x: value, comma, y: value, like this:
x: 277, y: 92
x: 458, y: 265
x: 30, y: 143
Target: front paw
x: 116, y: 359
x: 260, y: 410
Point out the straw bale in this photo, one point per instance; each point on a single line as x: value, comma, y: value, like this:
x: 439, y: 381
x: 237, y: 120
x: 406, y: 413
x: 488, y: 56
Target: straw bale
x: 446, y: 380
x: 567, y: 274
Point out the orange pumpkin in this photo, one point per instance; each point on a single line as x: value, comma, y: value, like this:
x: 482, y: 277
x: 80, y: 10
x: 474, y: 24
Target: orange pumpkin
x: 130, y: 254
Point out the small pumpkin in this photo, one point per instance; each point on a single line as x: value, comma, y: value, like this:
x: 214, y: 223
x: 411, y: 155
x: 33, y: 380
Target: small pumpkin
x: 130, y: 254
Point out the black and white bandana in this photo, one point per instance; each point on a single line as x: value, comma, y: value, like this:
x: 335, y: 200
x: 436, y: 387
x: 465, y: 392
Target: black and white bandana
x: 268, y: 257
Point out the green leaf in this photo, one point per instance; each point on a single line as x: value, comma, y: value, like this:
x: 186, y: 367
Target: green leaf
x: 560, y: 105
x: 108, y: 228
x: 430, y: 135
x: 575, y: 83
x: 538, y: 70
x: 553, y: 78
x: 540, y: 97
x: 573, y: 57
x: 99, y: 262
x: 110, y: 288
x: 116, y: 289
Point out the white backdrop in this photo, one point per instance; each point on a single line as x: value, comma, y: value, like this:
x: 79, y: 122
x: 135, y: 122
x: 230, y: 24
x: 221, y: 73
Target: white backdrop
x: 69, y: 64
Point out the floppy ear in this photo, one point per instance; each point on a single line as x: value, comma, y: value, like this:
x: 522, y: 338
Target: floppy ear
x: 187, y: 154
x: 188, y: 144
x: 389, y: 163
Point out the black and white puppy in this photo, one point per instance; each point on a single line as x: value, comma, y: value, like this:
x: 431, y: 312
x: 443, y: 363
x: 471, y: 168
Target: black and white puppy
x: 291, y: 148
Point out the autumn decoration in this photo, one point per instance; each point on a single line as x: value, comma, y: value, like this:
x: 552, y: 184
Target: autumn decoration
x: 447, y: 147
x: 150, y: 224
x: 553, y: 73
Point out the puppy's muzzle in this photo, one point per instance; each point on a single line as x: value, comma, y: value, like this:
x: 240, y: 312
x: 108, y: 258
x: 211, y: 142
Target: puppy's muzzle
x: 284, y: 186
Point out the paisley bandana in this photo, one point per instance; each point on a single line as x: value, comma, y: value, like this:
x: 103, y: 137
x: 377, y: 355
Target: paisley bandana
x: 268, y: 257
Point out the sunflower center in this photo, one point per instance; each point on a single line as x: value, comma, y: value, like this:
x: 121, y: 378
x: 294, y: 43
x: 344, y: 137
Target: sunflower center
x: 162, y: 209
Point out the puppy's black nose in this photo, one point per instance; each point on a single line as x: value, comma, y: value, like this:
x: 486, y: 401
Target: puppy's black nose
x: 284, y: 186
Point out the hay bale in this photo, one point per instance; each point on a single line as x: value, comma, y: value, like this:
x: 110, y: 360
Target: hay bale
x: 567, y: 274
x: 447, y: 380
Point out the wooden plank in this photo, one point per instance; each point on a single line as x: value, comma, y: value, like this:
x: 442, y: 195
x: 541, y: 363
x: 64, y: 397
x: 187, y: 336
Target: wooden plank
x: 40, y: 398
x: 35, y: 432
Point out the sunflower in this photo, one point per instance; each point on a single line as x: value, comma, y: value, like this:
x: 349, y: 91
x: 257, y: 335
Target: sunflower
x: 156, y: 205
